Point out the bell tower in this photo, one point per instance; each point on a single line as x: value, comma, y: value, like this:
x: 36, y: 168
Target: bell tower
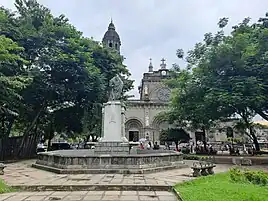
x: 111, y: 38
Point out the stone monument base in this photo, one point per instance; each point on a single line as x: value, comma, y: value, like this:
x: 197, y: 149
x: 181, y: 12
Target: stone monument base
x: 86, y: 162
x: 113, y: 148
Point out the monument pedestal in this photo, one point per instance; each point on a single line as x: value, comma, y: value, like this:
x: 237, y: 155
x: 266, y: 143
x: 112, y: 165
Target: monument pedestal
x: 113, y: 140
x: 111, y: 154
x: 112, y: 148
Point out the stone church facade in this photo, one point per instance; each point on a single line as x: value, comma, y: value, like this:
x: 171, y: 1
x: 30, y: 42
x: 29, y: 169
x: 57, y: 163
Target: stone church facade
x: 142, y: 114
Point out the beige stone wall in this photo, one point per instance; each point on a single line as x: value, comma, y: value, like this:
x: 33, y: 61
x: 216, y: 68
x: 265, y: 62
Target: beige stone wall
x: 143, y: 116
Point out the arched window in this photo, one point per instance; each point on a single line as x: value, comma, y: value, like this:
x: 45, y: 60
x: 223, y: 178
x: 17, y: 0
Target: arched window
x: 116, y: 46
x: 110, y: 44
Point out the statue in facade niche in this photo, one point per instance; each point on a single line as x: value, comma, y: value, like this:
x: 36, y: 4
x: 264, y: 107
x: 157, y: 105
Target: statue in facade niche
x: 146, y: 90
x: 116, y: 88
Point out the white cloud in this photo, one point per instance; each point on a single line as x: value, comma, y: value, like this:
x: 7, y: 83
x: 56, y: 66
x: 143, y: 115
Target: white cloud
x: 152, y: 28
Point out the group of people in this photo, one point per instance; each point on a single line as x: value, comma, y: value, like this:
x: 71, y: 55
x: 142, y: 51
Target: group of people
x: 200, y: 148
x: 149, y: 145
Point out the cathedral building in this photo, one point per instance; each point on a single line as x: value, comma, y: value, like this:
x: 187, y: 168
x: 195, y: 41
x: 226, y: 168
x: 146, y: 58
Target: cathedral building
x: 142, y: 113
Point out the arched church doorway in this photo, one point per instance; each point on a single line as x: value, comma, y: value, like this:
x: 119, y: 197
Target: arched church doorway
x: 133, y: 130
x: 159, y: 124
x: 133, y: 135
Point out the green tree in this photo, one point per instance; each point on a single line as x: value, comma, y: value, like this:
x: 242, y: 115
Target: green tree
x: 227, y: 77
x: 12, y: 80
x: 70, y: 73
x: 175, y: 135
x: 190, y: 106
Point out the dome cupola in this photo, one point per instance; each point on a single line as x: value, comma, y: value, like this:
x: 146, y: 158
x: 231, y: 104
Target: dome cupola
x: 111, y: 38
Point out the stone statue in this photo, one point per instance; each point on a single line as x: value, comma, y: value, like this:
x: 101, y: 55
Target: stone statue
x: 116, y: 88
x: 146, y: 90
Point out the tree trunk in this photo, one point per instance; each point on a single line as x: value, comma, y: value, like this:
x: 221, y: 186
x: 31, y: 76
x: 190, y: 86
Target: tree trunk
x: 255, y: 139
x: 51, y: 135
x: 9, y: 127
x: 205, y: 140
x: 28, y: 130
x: 34, y: 141
x: 3, y: 125
x: 177, y: 145
x: 49, y: 144
x: 4, y: 138
x: 94, y: 138
x: 251, y: 132
x: 86, y: 140
x: 262, y: 114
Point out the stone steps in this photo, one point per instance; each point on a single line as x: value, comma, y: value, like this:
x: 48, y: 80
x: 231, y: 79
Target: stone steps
x: 94, y: 187
x: 178, y: 165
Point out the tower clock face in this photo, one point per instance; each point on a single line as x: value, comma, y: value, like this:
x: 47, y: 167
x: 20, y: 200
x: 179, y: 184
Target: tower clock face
x: 164, y: 73
x: 163, y: 94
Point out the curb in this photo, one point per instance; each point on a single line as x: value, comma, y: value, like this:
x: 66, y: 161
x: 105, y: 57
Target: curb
x: 177, y: 194
x: 95, y: 187
x: 106, y: 171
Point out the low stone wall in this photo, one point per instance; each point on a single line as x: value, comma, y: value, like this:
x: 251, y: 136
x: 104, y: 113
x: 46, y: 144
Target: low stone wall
x: 151, y: 151
x: 133, y: 163
x: 231, y: 159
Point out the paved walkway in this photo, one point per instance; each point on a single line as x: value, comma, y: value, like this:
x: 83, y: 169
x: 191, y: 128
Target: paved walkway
x: 89, y: 196
x: 22, y: 174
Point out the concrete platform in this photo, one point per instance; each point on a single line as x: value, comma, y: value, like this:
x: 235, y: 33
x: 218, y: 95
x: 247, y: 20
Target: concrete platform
x: 86, y: 162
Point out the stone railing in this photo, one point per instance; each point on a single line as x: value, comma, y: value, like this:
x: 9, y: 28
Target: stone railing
x: 241, y: 161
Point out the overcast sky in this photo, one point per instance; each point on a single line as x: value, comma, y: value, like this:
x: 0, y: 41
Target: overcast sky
x: 152, y: 28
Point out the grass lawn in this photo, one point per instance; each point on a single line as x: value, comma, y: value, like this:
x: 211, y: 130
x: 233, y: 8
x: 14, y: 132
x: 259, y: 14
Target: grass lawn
x: 4, y: 188
x: 219, y: 187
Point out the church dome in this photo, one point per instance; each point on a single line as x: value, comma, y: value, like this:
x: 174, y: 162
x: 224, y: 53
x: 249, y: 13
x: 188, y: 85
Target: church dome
x: 111, y: 34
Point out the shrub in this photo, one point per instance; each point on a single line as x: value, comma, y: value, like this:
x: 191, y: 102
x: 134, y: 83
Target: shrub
x: 4, y: 188
x: 257, y: 177
x: 254, y: 177
x: 185, y: 150
x: 237, y: 175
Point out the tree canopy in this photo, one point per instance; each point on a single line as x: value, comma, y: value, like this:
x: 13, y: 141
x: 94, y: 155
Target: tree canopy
x: 226, y: 76
x: 59, y: 77
x: 174, y: 135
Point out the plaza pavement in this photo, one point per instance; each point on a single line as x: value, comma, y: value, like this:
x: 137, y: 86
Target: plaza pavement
x: 89, y: 196
x: 38, y: 185
x: 22, y: 174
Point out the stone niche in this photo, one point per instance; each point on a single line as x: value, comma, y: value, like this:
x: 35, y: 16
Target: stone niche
x: 82, y: 163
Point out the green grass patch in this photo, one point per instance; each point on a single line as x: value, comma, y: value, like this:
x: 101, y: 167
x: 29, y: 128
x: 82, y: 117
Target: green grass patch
x: 5, y: 188
x: 220, y: 187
